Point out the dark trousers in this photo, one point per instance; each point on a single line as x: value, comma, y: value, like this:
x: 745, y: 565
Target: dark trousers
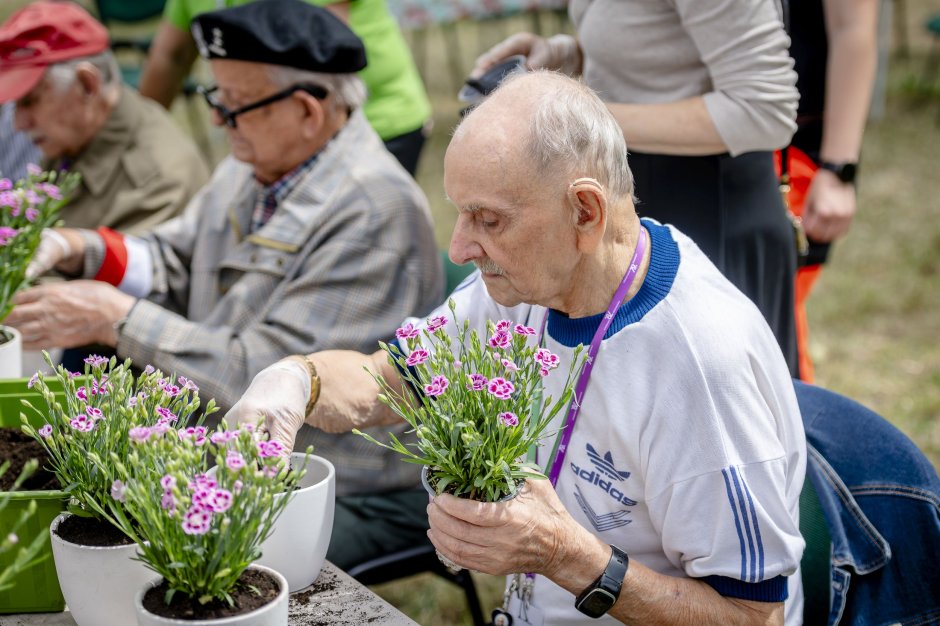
x: 731, y: 207
x: 369, y: 526
x: 407, y: 148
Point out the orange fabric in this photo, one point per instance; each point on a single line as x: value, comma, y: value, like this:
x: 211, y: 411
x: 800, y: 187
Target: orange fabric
x: 802, y: 169
x: 805, y: 279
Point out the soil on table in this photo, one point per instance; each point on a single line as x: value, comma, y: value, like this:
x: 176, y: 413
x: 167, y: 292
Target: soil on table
x: 89, y: 531
x: 18, y: 448
x: 253, y: 590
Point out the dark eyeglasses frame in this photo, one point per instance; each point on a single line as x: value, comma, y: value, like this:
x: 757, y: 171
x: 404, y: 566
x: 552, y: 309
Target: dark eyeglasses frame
x: 228, y: 116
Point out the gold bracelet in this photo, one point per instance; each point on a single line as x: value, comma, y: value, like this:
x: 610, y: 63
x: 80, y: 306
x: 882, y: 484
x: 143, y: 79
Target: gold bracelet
x: 314, y: 384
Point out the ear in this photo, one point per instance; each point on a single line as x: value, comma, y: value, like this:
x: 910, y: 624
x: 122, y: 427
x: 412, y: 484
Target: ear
x: 588, y: 202
x: 88, y: 79
x: 313, y: 114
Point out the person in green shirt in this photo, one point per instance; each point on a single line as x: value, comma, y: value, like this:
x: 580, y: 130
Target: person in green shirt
x: 397, y: 106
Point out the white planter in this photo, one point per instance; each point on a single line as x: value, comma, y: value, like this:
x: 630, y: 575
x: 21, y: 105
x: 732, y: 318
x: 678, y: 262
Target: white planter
x: 273, y: 613
x: 297, y: 545
x: 11, y: 354
x: 98, y: 583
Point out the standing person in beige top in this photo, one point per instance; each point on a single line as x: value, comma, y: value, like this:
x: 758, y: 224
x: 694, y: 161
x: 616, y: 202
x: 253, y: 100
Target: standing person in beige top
x: 138, y: 168
x: 704, y: 91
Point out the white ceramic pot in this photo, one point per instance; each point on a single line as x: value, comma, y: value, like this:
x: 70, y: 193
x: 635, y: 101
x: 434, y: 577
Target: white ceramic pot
x: 274, y: 613
x: 297, y: 545
x: 98, y: 583
x: 11, y: 353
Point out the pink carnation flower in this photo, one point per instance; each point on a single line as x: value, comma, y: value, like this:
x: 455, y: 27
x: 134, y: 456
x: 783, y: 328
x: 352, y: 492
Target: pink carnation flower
x: 510, y: 365
x: 501, y: 388
x: 234, y: 460
x: 508, y: 418
x: 408, y: 331
x: 500, y: 339
x: 546, y: 358
x: 95, y: 360
x: 519, y: 329
x: 139, y: 434
x: 417, y: 357
x: 197, y: 520
x: 503, y: 325
x: 436, y: 322
x: 477, y: 382
x: 438, y: 385
x: 45, y: 431
x: 82, y: 423
x: 267, y: 449
x: 118, y: 490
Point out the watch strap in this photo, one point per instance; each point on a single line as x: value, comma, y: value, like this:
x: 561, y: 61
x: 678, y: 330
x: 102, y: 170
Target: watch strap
x: 597, y: 599
x: 846, y: 172
x: 314, y: 384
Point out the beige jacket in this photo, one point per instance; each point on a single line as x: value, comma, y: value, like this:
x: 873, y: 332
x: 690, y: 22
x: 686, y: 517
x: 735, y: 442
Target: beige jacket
x: 138, y: 171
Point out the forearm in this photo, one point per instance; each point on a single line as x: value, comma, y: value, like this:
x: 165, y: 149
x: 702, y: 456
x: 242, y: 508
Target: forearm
x: 171, y: 58
x: 651, y: 599
x: 349, y: 393
x: 850, y: 75
x: 679, y: 128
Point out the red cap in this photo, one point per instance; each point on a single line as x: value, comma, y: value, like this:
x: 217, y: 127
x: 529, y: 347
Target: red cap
x: 40, y: 34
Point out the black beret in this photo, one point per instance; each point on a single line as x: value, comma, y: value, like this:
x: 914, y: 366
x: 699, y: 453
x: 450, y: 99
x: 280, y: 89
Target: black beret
x: 280, y: 32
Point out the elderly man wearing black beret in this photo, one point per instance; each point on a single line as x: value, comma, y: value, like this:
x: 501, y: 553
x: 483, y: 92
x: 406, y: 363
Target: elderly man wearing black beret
x: 310, y: 236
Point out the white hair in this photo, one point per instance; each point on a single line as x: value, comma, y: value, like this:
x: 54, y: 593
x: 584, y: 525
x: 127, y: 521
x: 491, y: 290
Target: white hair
x: 573, y: 132
x: 347, y: 90
x: 62, y: 75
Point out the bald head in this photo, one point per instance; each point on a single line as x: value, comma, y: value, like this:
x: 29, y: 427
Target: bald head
x: 553, y: 125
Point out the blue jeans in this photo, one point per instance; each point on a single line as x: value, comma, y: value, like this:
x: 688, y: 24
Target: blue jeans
x: 881, y: 499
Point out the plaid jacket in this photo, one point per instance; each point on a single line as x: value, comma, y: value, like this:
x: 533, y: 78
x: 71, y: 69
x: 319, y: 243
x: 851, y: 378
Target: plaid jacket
x: 349, y: 253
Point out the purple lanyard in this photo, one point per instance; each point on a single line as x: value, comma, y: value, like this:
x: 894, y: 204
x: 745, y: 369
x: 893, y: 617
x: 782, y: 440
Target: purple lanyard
x: 574, y: 409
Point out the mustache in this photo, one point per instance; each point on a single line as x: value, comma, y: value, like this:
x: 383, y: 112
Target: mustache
x: 488, y: 266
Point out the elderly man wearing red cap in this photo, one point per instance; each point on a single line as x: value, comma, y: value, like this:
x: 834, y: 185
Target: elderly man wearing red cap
x: 138, y: 168
x: 310, y: 236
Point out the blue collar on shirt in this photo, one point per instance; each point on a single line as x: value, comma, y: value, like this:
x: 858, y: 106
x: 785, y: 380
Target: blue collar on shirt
x: 664, y: 263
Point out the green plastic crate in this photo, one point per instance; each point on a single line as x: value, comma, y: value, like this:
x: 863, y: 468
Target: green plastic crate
x: 37, y: 589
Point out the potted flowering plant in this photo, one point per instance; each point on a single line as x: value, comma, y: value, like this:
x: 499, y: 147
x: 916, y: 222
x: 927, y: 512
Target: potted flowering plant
x: 481, y: 409
x: 85, y: 436
x: 204, y: 528
x: 26, y: 208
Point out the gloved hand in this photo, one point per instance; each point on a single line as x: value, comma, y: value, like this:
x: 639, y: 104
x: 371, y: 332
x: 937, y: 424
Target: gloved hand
x: 53, y: 248
x: 279, y: 393
x: 560, y: 52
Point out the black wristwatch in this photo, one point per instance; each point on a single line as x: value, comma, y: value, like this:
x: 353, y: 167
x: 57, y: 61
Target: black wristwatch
x: 603, y: 592
x: 846, y: 172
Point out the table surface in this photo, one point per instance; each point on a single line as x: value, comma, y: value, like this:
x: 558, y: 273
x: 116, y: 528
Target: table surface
x: 335, y: 598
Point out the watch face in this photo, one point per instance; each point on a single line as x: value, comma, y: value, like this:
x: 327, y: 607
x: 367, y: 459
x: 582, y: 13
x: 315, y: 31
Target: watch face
x: 596, y: 603
x: 847, y: 175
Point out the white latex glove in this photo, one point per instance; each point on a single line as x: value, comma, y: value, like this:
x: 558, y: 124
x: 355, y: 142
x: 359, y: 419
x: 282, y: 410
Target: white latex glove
x: 53, y: 248
x: 279, y: 393
x: 560, y: 52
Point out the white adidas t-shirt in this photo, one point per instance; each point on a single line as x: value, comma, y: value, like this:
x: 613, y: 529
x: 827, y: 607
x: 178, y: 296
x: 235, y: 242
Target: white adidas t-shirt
x: 689, y: 452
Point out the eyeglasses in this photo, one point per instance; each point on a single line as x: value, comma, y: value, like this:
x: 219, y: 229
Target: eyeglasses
x: 228, y: 116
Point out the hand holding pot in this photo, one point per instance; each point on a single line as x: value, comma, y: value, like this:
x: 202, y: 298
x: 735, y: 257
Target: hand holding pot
x: 279, y: 394
x: 530, y: 533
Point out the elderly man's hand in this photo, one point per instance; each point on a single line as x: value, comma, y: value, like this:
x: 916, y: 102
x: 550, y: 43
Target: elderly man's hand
x: 530, y: 533
x: 560, y: 52
x: 59, y: 248
x: 279, y: 394
x: 69, y: 314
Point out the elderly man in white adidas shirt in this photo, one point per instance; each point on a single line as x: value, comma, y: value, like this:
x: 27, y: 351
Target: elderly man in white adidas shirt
x: 685, y: 466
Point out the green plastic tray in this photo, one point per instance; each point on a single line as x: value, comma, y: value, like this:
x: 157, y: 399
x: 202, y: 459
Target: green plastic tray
x: 37, y: 589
